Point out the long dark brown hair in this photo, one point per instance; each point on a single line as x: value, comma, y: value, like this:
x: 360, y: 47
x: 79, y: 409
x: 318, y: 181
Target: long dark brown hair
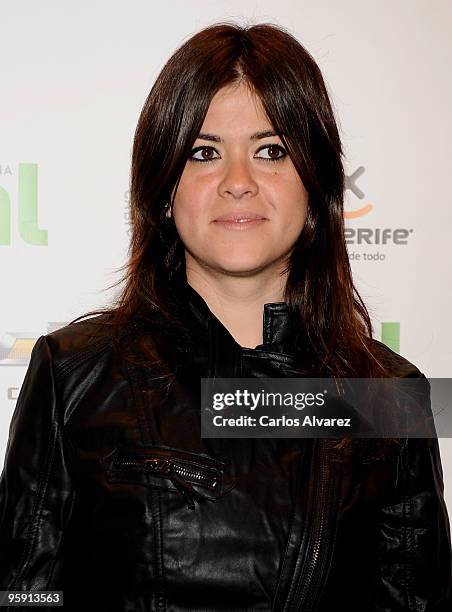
x: 319, y: 291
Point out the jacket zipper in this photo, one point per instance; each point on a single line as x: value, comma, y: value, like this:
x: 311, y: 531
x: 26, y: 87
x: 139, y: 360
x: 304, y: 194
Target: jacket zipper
x: 304, y: 596
x: 167, y: 467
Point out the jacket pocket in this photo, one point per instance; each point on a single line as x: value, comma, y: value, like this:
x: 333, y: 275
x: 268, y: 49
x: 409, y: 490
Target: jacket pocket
x: 194, y: 475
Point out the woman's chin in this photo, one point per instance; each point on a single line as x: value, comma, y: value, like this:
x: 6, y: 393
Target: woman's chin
x: 241, y: 267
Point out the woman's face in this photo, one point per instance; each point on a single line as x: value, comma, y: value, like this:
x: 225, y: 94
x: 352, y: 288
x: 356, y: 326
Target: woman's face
x: 238, y: 171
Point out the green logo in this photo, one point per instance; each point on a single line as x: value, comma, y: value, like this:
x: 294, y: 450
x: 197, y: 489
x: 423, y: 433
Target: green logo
x: 390, y: 335
x: 27, y: 210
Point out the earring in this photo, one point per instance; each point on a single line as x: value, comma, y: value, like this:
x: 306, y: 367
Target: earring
x: 166, y: 219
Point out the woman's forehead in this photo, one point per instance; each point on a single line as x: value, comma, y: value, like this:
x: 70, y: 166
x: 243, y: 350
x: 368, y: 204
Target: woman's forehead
x: 236, y: 108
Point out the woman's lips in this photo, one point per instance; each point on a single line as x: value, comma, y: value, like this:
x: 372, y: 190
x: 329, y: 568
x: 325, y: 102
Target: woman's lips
x: 240, y: 221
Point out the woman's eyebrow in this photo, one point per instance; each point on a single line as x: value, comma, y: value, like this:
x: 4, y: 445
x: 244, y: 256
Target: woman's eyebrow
x: 255, y: 136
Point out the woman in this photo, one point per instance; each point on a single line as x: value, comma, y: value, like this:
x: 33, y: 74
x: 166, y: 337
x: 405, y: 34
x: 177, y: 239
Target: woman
x: 238, y: 268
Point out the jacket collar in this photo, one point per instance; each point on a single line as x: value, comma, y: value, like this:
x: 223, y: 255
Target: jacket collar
x: 278, y: 323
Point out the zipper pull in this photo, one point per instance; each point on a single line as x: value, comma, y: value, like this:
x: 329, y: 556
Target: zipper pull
x: 163, y: 466
x: 186, y: 489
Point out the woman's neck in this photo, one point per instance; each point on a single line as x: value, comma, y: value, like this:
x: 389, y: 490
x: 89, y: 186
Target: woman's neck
x: 238, y: 301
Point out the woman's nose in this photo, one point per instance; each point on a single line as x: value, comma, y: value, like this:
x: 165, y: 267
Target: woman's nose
x: 238, y: 179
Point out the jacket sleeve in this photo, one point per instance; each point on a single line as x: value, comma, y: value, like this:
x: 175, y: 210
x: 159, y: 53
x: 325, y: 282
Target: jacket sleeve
x: 415, y: 568
x: 36, y: 490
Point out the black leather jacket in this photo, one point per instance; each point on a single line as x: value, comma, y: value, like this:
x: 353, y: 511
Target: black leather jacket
x: 109, y: 493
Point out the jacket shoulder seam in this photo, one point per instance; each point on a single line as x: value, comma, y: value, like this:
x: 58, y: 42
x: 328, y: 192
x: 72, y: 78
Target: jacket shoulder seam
x: 71, y: 363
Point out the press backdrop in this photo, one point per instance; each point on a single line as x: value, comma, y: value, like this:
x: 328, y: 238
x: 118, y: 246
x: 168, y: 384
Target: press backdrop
x: 73, y: 81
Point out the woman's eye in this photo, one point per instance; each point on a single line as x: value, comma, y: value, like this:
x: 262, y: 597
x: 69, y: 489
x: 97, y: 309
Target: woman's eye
x: 275, y: 152
x: 205, y: 154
